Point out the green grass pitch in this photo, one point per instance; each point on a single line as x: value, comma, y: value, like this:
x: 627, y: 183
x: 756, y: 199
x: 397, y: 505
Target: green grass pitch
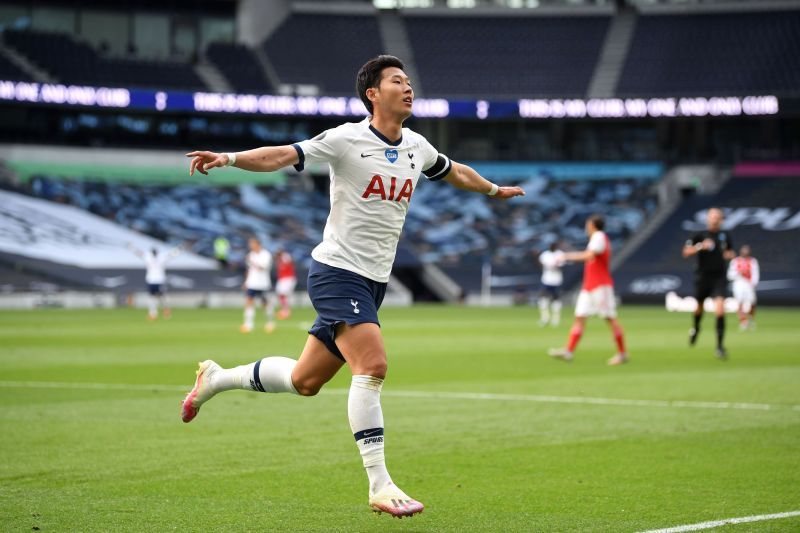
x: 528, y: 455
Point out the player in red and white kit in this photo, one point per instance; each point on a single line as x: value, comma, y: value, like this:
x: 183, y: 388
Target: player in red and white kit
x: 744, y: 272
x: 597, y: 295
x: 287, y: 281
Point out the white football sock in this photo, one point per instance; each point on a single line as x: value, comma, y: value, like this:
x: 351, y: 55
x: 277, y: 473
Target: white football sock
x: 153, y: 307
x: 271, y: 374
x: 249, y: 315
x: 556, y: 312
x: 366, y: 422
x: 544, y: 313
x: 270, y: 310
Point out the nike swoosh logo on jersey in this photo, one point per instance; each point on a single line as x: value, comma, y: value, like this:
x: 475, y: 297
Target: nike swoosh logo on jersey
x: 366, y: 155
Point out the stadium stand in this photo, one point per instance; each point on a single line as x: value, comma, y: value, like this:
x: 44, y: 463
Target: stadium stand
x: 457, y: 231
x: 240, y: 67
x: 762, y: 211
x: 506, y: 57
x: 74, y: 62
x: 333, y: 49
x: 10, y: 71
x: 721, y: 53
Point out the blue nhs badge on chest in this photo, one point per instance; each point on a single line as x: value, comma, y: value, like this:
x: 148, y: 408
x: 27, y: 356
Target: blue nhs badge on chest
x: 391, y: 155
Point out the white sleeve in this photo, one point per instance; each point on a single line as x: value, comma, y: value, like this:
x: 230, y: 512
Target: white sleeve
x: 755, y: 273
x: 560, y: 260
x: 264, y: 260
x: 597, y: 243
x: 327, y: 147
x: 435, y: 166
x: 732, y: 271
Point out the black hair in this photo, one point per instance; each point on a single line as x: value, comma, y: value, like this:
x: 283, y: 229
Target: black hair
x: 369, y: 76
x: 598, y: 222
x: 553, y: 246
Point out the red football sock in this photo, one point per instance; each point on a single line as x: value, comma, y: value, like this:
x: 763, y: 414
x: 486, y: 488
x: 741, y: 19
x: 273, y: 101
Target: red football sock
x: 619, y: 336
x: 574, y: 336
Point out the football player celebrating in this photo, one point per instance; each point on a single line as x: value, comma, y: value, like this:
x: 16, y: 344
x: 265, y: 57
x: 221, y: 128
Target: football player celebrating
x: 374, y: 168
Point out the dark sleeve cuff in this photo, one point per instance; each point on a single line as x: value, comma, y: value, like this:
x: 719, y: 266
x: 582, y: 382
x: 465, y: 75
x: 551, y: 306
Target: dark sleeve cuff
x: 300, y: 164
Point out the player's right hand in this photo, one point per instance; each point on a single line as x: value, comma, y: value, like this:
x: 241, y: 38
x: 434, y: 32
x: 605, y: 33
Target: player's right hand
x: 204, y: 161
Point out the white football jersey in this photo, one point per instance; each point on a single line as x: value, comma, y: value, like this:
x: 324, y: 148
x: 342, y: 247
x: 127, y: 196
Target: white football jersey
x: 157, y: 266
x: 259, y: 265
x: 551, y: 267
x: 372, y: 181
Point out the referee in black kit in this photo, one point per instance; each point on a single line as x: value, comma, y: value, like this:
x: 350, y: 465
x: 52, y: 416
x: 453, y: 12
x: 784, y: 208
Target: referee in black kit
x: 713, y: 248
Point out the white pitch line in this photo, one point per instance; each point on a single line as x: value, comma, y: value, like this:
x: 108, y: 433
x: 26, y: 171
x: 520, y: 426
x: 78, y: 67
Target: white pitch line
x: 724, y: 522
x: 584, y: 400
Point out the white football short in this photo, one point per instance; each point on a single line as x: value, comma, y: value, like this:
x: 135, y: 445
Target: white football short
x: 285, y: 286
x: 744, y: 293
x: 599, y: 301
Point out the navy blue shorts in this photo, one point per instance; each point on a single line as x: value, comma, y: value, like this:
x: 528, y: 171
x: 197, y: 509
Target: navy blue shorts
x: 553, y: 291
x: 341, y: 297
x: 256, y: 293
x: 154, y: 289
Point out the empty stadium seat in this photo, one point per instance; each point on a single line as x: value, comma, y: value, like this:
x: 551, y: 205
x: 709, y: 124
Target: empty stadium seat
x: 240, y: 67
x: 323, y: 50
x: 506, y: 57
x: 73, y: 62
x: 714, y: 54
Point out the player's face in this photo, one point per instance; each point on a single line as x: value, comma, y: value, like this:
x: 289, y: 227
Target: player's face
x: 714, y: 219
x: 589, y: 227
x: 254, y: 245
x: 395, y: 94
x: 745, y: 251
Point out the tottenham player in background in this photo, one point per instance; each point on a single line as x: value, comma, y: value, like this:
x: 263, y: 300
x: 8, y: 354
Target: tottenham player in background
x: 552, y: 260
x: 712, y: 247
x: 745, y: 274
x: 156, y: 277
x: 257, y: 284
x: 597, y: 292
x: 374, y: 167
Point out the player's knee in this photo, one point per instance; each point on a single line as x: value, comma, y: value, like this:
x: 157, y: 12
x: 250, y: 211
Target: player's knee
x: 374, y: 366
x: 307, y: 387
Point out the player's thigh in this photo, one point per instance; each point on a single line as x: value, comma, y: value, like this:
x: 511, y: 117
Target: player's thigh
x: 316, y: 366
x: 702, y: 290
x: 363, y: 348
x: 583, y: 305
x: 605, y: 302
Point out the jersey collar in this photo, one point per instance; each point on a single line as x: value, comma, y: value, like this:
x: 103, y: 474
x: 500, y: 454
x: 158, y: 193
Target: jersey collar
x: 385, y: 139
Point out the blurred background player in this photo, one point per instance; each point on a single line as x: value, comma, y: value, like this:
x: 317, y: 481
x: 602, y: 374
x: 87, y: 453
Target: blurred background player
x: 712, y: 247
x: 744, y: 272
x: 257, y: 284
x: 285, y: 284
x: 222, y: 247
x: 156, y: 278
x: 597, y: 294
x: 551, y: 260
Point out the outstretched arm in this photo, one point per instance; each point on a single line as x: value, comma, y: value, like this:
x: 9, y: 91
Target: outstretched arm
x: 580, y: 257
x: 264, y: 159
x: 465, y: 178
x: 134, y: 249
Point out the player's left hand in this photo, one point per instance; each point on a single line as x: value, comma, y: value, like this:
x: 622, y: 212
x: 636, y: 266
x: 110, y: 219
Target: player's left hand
x: 504, y: 193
